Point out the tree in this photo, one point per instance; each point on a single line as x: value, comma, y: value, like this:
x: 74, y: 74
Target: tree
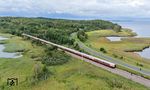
x: 57, y: 31
x: 102, y: 49
x: 82, y: 35
x: 76, y: 46
x: 117, y: 28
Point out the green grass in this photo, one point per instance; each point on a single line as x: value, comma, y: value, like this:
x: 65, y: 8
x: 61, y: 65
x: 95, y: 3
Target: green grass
x: 14, y: 46
x: 118, y: 48
x: 3, y: 41
x: 78, y: 75
x: 6, y: 35
x: 19, y: 67
x: 104, y: 33
x: 133, y: 72
x: 73, y: 75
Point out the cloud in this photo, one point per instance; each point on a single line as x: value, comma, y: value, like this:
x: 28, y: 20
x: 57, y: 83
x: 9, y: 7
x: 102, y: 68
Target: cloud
x: 93, y: 8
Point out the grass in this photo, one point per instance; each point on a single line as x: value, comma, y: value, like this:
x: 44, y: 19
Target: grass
x: 133, y: 72
x: 73, y: 75
x: 96, y: 42
x: 78, y: 75
x: 19, y: 67
x: 105, y: 33
x: 15, y: 46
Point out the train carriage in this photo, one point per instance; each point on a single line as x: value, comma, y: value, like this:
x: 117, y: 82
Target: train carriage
x: 86, y: 56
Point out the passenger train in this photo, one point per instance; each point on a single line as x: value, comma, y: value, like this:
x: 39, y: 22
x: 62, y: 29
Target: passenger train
x: 86, y: 56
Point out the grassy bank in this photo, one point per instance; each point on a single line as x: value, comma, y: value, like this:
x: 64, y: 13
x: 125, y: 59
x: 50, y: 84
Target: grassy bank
x: 73, y: 75
x: 20, y: 68
x: 133, y: 72
x: 108, y: 33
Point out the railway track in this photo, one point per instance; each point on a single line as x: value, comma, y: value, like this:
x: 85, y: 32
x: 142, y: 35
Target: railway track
x: 110, y: 59
x: 97, y: 62
x: 86, y: 56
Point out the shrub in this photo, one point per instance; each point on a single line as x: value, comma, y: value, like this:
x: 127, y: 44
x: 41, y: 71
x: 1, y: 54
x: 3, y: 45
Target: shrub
x: 139, y: 64
x: 57, y: 58
x: 117, y: 28
x: 114, y: 83
x: 115, y: 55
x: 103, y: 50
x: 76, y: 46
x: 121, y: 57
x: 40, y: 73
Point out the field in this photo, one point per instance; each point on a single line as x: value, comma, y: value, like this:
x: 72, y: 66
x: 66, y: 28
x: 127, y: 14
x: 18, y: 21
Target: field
x: 104, y: 33
x: 97, y: 40
x: 73, y: 75
x: 19, y: 67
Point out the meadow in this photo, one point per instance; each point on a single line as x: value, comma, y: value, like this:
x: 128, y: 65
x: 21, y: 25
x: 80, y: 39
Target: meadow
x: 73, y: 75
x: 123, y: 49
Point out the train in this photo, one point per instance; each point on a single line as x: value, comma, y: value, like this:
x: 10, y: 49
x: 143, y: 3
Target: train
x: 81, y: 54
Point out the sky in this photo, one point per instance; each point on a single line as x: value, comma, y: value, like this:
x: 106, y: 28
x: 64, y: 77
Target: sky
x: 76, y: 8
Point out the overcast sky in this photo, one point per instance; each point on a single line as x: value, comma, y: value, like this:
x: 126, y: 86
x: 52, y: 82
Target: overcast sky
x: 75, y: 8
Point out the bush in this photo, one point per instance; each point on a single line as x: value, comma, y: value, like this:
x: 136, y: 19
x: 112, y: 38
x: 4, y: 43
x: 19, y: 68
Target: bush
x: 44, y: 74
x: 57, y: 58
x: 40, y: 73
x: 139, y: 64
x: 114, y: 83
x: 76, y: 46
x: 115, y: 55
x: 117, y: 28
x: 121, y: 57
x: 103, y: 50
x: 49, y: 49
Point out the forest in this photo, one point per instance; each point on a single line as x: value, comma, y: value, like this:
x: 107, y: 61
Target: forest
x: 54, y: 30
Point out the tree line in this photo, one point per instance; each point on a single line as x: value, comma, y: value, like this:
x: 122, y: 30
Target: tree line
x: 55, y: 30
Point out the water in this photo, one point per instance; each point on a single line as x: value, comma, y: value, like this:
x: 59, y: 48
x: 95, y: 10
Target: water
x: 6, y: 54
x: 142, y: 28
x: 114, y: 38
x: 2, y: 38
x: 145, y: 53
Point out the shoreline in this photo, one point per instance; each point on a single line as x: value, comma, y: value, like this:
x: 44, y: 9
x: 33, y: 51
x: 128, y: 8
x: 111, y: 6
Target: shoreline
x: 138, y: 50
